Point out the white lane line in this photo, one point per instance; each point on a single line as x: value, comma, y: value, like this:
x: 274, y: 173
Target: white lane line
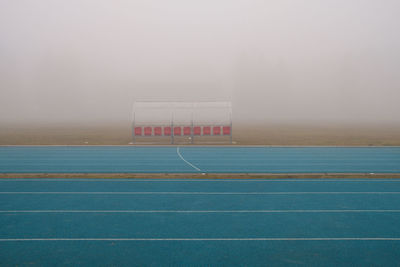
x: 199, y: 193
x: 190, y: 164
x: 110, y: 179
x: 209, y: 239
x: 199, y: 211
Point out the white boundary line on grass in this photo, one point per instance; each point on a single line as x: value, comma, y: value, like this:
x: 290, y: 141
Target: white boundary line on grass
x: 195, y: 193
x: 199, y: 211
x: 209, y: 239
x: 190, y: 164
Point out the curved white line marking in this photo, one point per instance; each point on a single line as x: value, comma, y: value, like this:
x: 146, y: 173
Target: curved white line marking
x: 199, y: 211
x: 209, y: 239
x: 190, y: 164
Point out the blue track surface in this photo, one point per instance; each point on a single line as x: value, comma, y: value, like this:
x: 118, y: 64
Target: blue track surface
x: 48, y: 222
x: 199, y: 159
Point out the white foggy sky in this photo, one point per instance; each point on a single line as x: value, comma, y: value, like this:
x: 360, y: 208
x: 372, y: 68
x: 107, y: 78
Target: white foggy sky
x: 281, y: 60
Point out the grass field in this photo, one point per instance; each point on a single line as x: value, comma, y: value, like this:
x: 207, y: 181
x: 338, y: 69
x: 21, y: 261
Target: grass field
x: 268, y: 134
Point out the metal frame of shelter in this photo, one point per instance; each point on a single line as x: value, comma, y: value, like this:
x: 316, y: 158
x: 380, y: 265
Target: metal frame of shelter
x: 173, y: 128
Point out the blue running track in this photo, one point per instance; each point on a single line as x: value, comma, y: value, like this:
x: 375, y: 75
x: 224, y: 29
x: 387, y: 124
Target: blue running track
x: 130, y: 159
x: 111, y: 222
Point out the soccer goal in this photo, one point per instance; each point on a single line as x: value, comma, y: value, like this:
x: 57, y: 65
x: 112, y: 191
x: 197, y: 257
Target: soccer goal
x: 182, y: 122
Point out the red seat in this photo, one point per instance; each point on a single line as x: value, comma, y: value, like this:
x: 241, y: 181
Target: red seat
x: 216, y: 130
x: 197, y: 130
x: 167, y: 130
x: 147, y: 130
x: 226, y: 130
x: 138, y: 131
x: 206, y: 130
x: 157, y: 130
x: 187, y: 130
x: 177, y: 130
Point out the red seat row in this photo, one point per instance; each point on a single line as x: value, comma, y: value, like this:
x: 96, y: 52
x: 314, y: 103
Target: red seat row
x: 181, y: 130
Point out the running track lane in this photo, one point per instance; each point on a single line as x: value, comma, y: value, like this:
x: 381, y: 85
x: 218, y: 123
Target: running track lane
x: 344, y: 222
x: 130, y: 159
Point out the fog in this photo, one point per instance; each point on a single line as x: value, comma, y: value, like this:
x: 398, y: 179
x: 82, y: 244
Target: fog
x: 277, y: 61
